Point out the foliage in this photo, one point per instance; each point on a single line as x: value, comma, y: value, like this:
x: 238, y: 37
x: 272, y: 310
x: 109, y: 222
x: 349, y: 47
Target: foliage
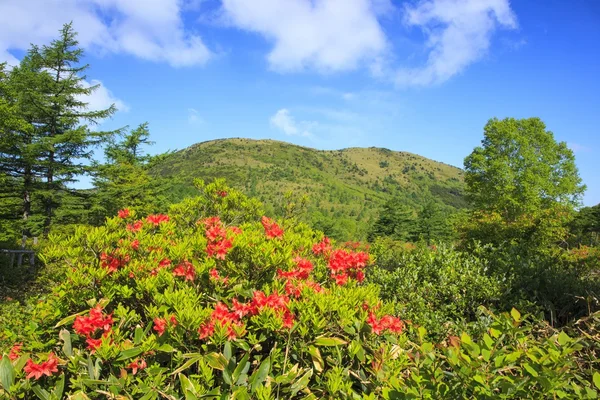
x: 585, y: 227
x: 188, y: 305
x: 520, y: 169
x: 345, y: 188
x: 437, y: 286
x: 45, y: 146
x: 124, y: 181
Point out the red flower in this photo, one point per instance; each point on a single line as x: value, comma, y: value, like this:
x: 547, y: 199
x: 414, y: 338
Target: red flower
x: 324, y: 247
x: 88, y: 325
x: 185, y: 269
x: 340, y: 279
x: 135, y: 227
x: 222, y: 193
x: 387, y: 322
x: 93, y: 344
x: 235, y: 230
x: 137, y: 365
x: 15, y: 351
x: 135, y: 245
x: 165, y: 262
x: 157, y: 219
x: 124, y: 213
x: 112, y: 262
x: 160, y: 325
x: 219, y: 249
x: 173, y: 320
x: 272, y: 230
x: 47, y: 367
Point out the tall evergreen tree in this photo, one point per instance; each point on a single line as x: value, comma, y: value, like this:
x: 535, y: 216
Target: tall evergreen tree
x: 124, y: 180
x: 52, y: 151
x: 396, y: 219
x: 431, y: 223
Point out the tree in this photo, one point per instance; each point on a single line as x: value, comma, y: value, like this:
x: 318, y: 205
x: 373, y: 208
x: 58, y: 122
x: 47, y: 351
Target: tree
x: 431, y: 223
x: 520, y: 169
x: 50, y: 151
x: 396, y: 220
x: 123, y: 181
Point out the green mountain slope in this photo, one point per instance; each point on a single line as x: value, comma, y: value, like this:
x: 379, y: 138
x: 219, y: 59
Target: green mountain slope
x: 345, y: 187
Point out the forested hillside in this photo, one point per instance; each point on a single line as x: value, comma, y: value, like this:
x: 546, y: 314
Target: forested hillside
x: 345, y: 188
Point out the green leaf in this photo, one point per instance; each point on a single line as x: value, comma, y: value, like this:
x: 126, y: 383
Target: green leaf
x: 194, y: 358
x: 216, y: 360
x: 516, y: 315
x: 596, y: 379
x: 317, y: 360
x: 69, y: 319
x: 41, y: 393
x: 329, y: 341
x: 59, y: 388
x: 530, y: 369
x: 260, y: 374
x: 301, y: 383
x: 130, y: 353
x: 563, y: 338
x: 241, y: 369
x: 7, y: 374
x: 65, y: 336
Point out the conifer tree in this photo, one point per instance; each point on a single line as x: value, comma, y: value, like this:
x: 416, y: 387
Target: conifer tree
x: 52, y: 150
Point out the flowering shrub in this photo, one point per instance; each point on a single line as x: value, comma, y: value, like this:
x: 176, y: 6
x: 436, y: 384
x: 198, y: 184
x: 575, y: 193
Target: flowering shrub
x: 226, y: 305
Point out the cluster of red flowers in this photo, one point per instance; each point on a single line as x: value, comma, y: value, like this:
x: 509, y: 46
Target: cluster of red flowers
x: 135, y: 227
x: 324, y: 247
x: 161, y: 324
x: 185, y: 269
x: 230, y: 319
x: 302, y: 270
x: 222, y: 193
x: 387, y: 322
x: 124, y: 213
x: 88, y: 325
x: 137, y: 365
x: 113, y: 262
x: 157, y: 219
x: 223, y: 317
x: 218, y: 243
x: 15, y: 352
x: 37, y: 370
x: 272, y: 230
x: 345, y: 264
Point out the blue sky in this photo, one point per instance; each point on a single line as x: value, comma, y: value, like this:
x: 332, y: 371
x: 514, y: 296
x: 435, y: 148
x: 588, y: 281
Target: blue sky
x: 419, y: 76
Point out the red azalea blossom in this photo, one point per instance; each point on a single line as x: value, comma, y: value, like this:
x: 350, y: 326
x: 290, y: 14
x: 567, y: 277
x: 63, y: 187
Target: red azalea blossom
x: 124, y: 213
x: 160, y: 325
x: 235, y: 230
x: 345, y: 264
x: 214, y: 275
x: 15, y: 351
x: 135, y: 245
x: 96, y: 320
x: 219, y: 249
x: 137, y: 365
x: 340, y: 279
x: 165, y: 262
x: 222, y: 193
x: 222, y: 316
x: 135, y: 227
x: 324, y: 247
x: 272, y: 230
x: 112, y: 262
x: 211, y: 221
x: 48, y: 367
x: 93, y: 344
x: 157, y: 219
x: 387, y: 322
x: 173, y: 320
x: 185, y: 269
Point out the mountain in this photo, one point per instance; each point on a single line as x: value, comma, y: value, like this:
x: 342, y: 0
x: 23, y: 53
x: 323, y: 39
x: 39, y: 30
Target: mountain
x: 345, y: 188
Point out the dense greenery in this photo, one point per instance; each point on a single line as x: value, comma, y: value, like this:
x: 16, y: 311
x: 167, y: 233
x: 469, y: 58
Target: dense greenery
x: 154, y: 284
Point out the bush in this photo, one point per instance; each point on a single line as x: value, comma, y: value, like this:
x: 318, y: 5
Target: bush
x: 210, y: 302
x: 436, y: 286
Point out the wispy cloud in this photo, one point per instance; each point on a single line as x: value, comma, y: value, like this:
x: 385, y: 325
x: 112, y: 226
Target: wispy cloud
x: 283, y: 121
x: 458, y: 34
x: 578, y: 148
x: 151, y: 30
x: 194, y: 116
x: 102, y: 97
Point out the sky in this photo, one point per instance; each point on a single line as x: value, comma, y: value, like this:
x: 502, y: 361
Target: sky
x: 422, y: 76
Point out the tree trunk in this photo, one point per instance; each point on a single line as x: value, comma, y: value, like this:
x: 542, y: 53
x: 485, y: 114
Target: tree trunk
x: 27, y: 180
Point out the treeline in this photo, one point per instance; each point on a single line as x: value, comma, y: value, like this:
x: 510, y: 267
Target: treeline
x: 48, y: 137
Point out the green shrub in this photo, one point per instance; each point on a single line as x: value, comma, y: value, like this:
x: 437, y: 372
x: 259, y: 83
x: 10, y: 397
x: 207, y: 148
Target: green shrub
x: 210, y: 302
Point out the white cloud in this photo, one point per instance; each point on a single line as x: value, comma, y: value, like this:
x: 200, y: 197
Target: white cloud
x: 326, y: 35
x: 458, y: 34
x: 194, y: 116
x: 150, y: 29
x: 285, y: 122
x: 578, y: 148
x: 102, y: 98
